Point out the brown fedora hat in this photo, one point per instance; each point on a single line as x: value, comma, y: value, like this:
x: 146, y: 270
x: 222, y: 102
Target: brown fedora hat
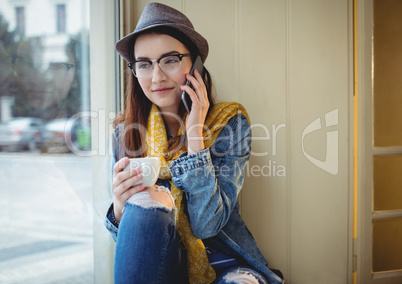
x: 159, y: 15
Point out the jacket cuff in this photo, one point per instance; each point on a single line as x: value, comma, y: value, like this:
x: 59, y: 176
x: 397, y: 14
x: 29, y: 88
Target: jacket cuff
x: 186, y: 163
x: 111, y: 224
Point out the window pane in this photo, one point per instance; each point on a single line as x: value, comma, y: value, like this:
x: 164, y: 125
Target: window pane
x: 61, y: 18
x: 387, y: 41
x: 45, y: 175
x: 20, y: 20
x: 387, y: 182
x: 387, y: 244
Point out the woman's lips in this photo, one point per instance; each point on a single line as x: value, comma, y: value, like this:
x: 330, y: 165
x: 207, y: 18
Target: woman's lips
x: 38, y: 92
x: 38, y: 95
x: 160, y: 91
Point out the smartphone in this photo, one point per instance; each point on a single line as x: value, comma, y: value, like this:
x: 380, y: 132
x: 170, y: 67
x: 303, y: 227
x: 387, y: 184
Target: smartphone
x: 197, y: 64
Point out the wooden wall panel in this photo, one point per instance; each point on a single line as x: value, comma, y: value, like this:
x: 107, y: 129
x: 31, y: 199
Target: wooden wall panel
x: 289, y: 63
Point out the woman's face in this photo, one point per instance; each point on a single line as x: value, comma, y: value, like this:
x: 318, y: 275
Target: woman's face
x: 45, y: 82
x: 160, y: 88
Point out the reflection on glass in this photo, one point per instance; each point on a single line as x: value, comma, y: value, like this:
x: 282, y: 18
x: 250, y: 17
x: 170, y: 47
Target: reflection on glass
x: 61, y: 18
x: 20, y: 16
x: 46, y: 197
x: 48, y: 83
x: 45, y: 77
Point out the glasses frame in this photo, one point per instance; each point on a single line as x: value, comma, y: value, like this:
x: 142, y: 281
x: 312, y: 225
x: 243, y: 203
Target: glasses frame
x: 17, y: 66
x: 131, y: 65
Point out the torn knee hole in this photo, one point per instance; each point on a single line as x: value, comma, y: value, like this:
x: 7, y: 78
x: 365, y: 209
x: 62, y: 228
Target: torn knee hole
x: 154, y: 197
x: 241, y: 278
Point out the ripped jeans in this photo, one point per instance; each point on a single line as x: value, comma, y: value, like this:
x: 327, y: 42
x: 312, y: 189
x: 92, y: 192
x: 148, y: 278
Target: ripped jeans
x: 239, y: 275
x: 148, y: 249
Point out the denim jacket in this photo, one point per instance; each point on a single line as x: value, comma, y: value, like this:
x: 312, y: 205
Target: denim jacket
x: 211, y: 181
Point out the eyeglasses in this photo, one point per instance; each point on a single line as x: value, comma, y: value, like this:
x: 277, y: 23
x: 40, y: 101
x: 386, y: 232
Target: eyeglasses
x: 28, y: 66
x: 169, y: 64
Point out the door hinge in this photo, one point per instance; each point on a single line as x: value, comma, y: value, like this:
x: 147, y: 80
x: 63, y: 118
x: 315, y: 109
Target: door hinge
x: 354, y: 255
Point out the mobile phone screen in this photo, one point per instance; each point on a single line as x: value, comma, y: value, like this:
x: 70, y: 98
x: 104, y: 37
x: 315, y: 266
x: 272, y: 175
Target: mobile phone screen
x: 184, y: 96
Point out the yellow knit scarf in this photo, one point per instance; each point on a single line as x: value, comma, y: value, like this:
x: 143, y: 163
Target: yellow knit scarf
x: 199, y: 269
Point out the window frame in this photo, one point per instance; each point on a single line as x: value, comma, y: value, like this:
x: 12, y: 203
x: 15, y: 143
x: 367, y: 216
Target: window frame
x: 105, y: 93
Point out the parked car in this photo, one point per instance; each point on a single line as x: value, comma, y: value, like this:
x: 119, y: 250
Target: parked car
x: 63, y: 135
x: 21, y: 133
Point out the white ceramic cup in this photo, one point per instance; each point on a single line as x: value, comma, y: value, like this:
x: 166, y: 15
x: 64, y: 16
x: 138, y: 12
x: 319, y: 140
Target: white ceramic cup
x: 150, y: 167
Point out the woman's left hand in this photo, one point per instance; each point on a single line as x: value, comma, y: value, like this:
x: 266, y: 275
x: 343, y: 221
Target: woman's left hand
x: 199, y: 109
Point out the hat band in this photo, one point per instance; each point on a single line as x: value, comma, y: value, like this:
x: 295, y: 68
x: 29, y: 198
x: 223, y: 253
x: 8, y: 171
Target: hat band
x: 152, y: 23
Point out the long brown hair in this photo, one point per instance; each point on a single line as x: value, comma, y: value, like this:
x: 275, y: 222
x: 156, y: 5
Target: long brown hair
x: 138, y: 106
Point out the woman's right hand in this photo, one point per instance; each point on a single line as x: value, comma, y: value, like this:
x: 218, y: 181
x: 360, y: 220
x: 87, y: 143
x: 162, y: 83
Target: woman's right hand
x: 122, y: 185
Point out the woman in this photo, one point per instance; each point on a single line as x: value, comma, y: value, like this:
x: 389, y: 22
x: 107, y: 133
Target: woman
x: 48, y: 87
x: 198, y: 235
